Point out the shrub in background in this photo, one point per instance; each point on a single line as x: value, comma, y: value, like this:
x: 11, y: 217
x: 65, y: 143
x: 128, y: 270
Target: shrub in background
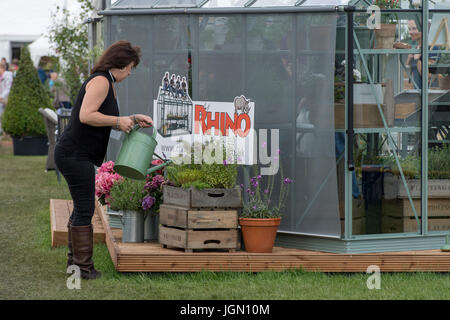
x: 21, y: 117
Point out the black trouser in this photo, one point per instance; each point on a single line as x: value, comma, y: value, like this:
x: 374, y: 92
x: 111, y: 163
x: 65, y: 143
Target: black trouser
x: 79, y: 172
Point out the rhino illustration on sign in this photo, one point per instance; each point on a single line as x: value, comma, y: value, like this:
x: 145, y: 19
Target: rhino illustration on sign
x: 241, y: 105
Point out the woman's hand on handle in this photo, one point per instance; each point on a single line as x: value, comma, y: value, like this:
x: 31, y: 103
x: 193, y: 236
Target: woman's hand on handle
x: 143, y: 120
x: 125, y: 124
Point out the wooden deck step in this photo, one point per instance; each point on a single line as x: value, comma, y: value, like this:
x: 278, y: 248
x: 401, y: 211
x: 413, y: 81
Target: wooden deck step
x: 151, y: 257
x: 60, y: 211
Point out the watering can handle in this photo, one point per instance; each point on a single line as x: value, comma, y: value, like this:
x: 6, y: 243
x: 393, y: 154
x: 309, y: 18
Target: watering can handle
x: 137, y: 127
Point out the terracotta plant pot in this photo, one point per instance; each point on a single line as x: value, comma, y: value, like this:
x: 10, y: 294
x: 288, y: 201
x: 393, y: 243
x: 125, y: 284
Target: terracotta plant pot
x: 259, y: 234
x: 385, y: 36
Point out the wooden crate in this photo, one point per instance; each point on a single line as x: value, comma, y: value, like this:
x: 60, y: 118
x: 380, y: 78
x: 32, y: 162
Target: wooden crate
x: 206, y: 198
x: 191, y: 229
x: 409, y: 224
x: 398, y: 215
x: 364, y: 116
x: 402, y: 208
x: 358, y: 225
x: 404, y: 110
x: 394, y: 188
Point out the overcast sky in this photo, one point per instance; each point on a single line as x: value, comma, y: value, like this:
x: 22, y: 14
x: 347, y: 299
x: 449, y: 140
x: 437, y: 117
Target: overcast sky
x: 29, y: 17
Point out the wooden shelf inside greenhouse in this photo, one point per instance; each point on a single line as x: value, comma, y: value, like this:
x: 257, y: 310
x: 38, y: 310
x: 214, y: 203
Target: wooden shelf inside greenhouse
x: 151, y: 257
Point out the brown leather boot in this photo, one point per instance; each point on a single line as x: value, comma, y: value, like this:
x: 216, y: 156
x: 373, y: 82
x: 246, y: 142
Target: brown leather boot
x: 83, y: 249
x: 69, y: 245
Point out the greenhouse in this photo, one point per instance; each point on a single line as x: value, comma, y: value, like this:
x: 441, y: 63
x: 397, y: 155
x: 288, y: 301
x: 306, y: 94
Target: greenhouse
x: 342, y: 81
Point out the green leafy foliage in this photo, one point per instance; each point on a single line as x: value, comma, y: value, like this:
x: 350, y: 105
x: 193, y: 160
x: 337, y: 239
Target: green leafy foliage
x: 438, y: 164
x: 205, y: 175
x: 27, y: 95
x: 127, y: 194
x: 181, y: 175
x: 69, y: 36
x: 219, y: 175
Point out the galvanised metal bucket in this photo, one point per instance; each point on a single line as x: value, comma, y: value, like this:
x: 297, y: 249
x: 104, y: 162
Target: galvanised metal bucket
x: 133, y: 226
x: 151, y: 226
x: 136, y: 154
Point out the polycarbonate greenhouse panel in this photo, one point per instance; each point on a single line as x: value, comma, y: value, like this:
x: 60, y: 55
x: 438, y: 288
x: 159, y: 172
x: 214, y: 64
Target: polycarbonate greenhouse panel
x: 177, y: 4
x: 274, y: 3
x: 147, y: 4
x: 134, y: 4
x: 225, y: 4
x: 312, y: 3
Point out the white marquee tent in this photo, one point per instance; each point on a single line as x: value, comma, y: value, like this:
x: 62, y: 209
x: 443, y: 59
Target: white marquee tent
x: 27, y: 21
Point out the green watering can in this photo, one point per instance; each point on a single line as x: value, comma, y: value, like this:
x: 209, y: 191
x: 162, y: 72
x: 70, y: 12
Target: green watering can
x: 136, y: 154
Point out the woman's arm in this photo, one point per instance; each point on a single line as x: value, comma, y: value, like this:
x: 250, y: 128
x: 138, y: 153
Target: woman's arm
x: 96, y: 92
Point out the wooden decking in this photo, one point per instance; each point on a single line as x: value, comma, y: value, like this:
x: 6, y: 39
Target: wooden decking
x: 151, y: 257
x: 60, y: 211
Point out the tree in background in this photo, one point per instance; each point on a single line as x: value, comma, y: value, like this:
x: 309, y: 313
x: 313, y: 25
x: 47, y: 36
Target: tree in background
x: 69, y: 36
x: 21, y: 117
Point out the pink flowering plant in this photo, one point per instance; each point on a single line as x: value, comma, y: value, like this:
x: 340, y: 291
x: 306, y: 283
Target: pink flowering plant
x: 259, y: 204
x: 104, y: 180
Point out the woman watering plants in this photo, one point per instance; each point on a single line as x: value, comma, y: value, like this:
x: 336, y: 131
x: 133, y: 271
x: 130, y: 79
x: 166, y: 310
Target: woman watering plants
x: 84, y: 143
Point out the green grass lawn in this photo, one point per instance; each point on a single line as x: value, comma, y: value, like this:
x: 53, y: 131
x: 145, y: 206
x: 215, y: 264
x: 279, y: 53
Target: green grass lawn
x: 30, y: 269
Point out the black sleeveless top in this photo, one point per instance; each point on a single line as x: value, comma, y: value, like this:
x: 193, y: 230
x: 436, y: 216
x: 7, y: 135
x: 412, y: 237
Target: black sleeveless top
x: 88, y: 141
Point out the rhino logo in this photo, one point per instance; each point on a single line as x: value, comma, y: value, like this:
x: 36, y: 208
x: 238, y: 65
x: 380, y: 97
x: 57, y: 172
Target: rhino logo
x: 241, y: 105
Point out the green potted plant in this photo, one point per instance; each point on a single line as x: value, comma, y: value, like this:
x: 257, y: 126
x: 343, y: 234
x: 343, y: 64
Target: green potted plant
x: 21, y: 118
x: 397, y: 210
x: 205, y: 184
x: 126, y: 196
x: 438, y: 174
x: 261, y: 216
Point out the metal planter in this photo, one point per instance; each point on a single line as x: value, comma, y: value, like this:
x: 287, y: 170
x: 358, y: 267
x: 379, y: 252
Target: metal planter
x: 133, y: 226
x: 115, y: 218
x: 151, y: 227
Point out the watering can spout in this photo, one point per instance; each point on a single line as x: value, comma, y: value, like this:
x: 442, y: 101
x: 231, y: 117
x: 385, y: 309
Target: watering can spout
x: 158, y: 167
x: 446, y: 247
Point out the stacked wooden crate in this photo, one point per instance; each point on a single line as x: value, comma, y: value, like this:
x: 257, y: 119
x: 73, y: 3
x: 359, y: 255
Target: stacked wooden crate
x: 200, y: 219
x: 398, y: 214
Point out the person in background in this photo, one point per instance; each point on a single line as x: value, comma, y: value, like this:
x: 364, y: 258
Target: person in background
x: 58, y: 89
x: 14, y: 66
x: 84, y: 143
x: 6, y: 79
x: 6, y: 63
x: 415, y: 60
x: 41, y: 72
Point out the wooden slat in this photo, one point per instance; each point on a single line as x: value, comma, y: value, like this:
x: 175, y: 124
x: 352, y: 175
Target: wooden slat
x: 111, y: 244
x: 180, y: 217
x: 60, y: 211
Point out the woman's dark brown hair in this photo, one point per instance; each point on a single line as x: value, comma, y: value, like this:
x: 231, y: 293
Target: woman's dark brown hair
x: 119, y: 55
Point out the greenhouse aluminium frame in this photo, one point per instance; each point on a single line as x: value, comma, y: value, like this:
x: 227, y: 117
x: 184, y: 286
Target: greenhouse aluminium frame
x: 348, y: 243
